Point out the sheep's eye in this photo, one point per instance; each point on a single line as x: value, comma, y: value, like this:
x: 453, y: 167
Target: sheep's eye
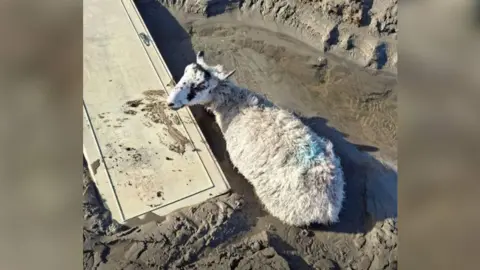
x: 198, y: 87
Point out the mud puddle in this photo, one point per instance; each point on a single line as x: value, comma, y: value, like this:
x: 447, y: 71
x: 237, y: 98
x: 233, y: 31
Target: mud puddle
x: 357, y: 102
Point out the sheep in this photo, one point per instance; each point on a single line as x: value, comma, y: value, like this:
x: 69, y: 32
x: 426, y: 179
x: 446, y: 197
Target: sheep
x: 295, y: 173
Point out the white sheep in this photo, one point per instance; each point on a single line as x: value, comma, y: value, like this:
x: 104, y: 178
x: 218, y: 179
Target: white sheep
x: 295, y: 173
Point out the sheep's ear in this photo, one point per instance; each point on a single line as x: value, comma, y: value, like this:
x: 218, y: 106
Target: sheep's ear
x: 201, y: 59
x: 226, y: 76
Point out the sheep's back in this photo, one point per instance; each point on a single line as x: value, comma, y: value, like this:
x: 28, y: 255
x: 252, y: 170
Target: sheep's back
x: 292, y: 169
x: 262, y: 139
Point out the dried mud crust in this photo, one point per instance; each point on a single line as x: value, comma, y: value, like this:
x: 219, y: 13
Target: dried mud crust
x: 155, y: 112
x: 214, y: 235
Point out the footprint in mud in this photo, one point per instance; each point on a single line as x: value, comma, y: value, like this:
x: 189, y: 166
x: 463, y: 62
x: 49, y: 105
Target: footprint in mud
x: 153, y: 93
x: 130, y: 105
x: 134, y: 103
x: 177, y: 148
x: 150, y: 192
x: 130, y: 112
x: 149, y: 94
x: 180, y: 140
x: 135, y: 155
x: 156, y: 111
x: 154, y: 107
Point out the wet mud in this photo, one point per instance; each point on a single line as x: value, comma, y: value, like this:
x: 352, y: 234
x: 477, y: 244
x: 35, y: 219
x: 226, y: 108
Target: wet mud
x: 352, y: 104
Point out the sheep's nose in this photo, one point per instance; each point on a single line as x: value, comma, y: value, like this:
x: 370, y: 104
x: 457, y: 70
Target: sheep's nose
x: 170, y: 104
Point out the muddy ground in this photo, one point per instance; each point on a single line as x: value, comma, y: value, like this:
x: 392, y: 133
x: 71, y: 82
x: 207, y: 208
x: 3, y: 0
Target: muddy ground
x: 332, y: 62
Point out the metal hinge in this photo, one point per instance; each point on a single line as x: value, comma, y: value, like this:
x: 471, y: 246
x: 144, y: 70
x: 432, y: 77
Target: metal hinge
x: 145, y: 39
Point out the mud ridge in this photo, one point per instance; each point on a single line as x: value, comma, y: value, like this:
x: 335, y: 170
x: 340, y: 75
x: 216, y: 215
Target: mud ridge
x: 352, y: 29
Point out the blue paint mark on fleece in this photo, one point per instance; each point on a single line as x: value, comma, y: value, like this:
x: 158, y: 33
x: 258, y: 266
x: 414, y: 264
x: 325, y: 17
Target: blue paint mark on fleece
x: 310, y: 152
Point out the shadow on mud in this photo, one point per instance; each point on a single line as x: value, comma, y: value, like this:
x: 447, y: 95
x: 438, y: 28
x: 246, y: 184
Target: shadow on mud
x: 371, y: 186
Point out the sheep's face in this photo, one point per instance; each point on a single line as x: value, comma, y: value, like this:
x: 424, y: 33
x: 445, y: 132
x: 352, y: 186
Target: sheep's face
x: 196, y: 85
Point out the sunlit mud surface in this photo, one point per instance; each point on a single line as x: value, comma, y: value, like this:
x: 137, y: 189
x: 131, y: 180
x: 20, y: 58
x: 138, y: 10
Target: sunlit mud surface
x: 351, y: 106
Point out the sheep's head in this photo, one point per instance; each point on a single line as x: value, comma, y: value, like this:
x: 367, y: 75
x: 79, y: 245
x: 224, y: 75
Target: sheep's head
x: 197, y: 84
